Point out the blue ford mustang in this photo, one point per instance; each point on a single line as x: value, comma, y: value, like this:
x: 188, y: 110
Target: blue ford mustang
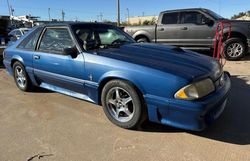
x: 133, y: 82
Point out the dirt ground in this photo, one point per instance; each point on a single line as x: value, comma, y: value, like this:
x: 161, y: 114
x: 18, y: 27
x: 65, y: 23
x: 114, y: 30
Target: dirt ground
x: 67, y: 129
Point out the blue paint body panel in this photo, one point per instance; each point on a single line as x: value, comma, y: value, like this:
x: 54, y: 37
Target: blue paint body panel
x: 157, y: 71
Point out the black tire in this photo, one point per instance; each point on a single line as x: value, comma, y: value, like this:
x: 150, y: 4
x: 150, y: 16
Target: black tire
x: 142, y: 40
x: 235, y: 49
x: 125, y: 91
x: 26, y: 84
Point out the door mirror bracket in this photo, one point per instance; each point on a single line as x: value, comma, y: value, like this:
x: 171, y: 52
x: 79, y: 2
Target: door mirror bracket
x: 73, y: 52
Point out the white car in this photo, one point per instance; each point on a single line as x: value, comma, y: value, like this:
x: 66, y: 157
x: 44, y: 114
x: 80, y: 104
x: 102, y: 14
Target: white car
x: 17, y: 33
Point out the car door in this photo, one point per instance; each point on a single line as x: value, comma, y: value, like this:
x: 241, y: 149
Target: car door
x: 194, y: 31
x: 167, y: 31
x: 52, y: 67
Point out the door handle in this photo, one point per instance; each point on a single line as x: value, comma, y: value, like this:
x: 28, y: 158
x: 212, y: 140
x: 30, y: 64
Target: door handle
x: 161, y: 29
x: 36, y: 57
x: 184, y: 28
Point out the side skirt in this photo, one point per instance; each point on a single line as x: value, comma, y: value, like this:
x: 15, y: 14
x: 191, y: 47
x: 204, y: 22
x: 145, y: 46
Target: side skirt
x: 66, y: 92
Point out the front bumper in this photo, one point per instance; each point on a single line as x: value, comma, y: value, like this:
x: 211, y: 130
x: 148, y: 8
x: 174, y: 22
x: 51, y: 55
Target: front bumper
x: 190, y: 115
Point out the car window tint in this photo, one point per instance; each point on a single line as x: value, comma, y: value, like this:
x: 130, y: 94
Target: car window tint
x: 29, y: 43
x: 170, y: 18
x: 192, y: 17
x: 55, y: 40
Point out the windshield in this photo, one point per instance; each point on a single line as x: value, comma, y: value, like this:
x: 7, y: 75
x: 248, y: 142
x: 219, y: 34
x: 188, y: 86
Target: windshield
x: 214, y: 15
x: 103, y: 36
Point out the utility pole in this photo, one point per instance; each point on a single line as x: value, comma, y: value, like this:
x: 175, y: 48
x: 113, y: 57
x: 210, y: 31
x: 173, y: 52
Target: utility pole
x: 12, y: 11
x: 9, y: 7
x: 63, y: 15
x: 118, y: 13
x: 9, y: 13
x: 101, y: 16
x: 128, y: 15
x: 49, y: 13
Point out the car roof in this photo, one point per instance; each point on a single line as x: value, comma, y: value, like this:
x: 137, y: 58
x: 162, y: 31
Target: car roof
x: 186, y: 9
x: 74, y: 23
x: 24, y: 28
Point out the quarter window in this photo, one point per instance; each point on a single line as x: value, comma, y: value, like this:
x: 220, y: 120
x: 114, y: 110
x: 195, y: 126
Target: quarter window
x: 55, y: 40
x: 170, y: 18
x: 29, y: 43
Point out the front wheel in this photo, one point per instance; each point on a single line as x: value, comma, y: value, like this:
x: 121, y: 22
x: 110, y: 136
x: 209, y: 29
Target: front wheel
x: 234, y: 49
x: 122, y: 104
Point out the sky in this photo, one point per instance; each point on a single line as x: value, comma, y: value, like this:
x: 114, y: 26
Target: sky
x: 90, y: 10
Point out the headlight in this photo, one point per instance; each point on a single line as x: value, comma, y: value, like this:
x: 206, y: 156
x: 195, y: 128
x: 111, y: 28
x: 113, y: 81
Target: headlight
x: 195, y: 90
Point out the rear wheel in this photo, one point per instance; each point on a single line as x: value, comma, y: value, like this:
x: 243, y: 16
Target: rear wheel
x: 235, y: 49
x: 21, y: 78
x: 122, y: 104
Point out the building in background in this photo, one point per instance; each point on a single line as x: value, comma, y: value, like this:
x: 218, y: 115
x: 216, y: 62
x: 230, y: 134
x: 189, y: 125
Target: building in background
x: 246, y: 17
x: 141, y: 19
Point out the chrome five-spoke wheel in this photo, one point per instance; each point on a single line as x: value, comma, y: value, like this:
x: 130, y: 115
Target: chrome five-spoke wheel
x: 122, y: 104
x: 20, y: 76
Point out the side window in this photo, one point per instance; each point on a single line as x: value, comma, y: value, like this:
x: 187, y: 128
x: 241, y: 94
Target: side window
x: 192, y: 17
x: 12, y: 33
x: 55, y: 40
x: 170, y: 18
x: 29, y: 43
x: 18, y: 33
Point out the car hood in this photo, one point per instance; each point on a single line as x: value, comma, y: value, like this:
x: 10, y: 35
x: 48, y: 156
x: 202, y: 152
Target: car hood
x: 187, y: 64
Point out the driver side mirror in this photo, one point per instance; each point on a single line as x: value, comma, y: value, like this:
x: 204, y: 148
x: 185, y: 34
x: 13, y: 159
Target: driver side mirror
x: 73, y: 52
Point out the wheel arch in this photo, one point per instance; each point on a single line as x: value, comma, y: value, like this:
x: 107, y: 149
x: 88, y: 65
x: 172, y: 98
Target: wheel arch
x: 105, y: 80
x: 237, y: 34
x: 141, y: 34
x: 15, y: 59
